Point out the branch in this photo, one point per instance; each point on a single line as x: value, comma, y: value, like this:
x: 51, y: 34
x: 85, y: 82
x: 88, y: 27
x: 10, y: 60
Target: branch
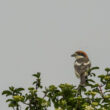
x: 100, y: 90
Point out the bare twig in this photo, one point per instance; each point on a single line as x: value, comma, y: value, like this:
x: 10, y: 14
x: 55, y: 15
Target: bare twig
x: 100, y: 90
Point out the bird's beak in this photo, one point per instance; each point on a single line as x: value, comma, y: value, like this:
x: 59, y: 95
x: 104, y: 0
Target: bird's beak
x: 73, y: 55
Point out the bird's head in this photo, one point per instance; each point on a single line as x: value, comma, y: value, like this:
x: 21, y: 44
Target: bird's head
x: 79, y: 54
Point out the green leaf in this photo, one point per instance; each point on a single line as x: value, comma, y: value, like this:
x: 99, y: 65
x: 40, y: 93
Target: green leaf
x: 19, y: 89
x: 91, y: 80
x: 52, y: 88
x: 7, y: 93
x: 37, y: 75
x: 101, y: 76
x: 93, y: 68
x: 107, y: 86
x: 107, y: 69
x: 11, y: 88
x: 27, y: 108
x: 9, y: 100
x: 34, y: 82
x: 93, y: 74
x: 31, y: 88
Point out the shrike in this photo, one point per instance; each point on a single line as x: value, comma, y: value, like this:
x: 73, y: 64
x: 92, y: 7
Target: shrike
x: 81, y: 65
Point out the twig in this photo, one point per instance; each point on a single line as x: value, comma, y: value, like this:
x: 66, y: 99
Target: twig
x: 100, y: 89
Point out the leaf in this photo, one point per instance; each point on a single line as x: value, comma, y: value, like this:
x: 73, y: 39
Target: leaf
x: 11, y: 105
x: 52, y: 88
x: 7, y: 93
x: 37, y: 75
x: 27, y: 108
x: 107, y: 69
x: 91, y: 80
x: 93, y: 68
x: 93, y: 74
x: 101, y: 76
x: 11, y: 88
x: 31, y: 88
x: 107, y: 86
x: 34, y: 82
x: 9, y: 100
x: 19, y: 89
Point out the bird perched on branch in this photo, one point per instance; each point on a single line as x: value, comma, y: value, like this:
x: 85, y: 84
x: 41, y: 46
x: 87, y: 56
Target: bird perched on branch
x: 81, y: 65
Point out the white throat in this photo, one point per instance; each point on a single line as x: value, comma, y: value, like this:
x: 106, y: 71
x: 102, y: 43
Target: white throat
x: 78, y: 57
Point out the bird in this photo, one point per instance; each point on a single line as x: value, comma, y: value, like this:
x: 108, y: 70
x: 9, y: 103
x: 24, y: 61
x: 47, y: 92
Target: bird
x: 81, y: 66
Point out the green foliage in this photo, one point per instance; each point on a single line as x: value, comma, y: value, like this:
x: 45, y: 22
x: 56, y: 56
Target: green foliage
x: 31, y: 100
x: 95, y: 95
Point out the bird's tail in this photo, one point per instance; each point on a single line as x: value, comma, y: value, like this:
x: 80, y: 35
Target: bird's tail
x: 83, y: 79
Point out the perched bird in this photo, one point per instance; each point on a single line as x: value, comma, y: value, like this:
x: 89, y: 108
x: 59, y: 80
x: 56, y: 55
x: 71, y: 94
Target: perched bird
x: 81, y: 65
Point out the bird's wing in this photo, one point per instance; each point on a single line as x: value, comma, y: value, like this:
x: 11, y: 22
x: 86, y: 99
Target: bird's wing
x: 82, y: 65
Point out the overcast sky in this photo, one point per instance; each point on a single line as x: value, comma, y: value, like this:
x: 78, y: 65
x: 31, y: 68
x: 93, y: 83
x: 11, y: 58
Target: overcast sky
x: 40, y: 36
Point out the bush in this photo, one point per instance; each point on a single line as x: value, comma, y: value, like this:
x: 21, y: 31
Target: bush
x: 93, y: 96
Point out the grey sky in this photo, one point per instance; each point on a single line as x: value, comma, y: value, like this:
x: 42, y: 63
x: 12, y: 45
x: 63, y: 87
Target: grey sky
x: 40, y: 35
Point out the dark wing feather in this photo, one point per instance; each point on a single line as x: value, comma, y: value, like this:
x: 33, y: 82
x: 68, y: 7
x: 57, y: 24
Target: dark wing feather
x: 84, y: 65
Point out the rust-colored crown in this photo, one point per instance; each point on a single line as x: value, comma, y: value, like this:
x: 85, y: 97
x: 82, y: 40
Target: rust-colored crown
x: 79, y: 52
